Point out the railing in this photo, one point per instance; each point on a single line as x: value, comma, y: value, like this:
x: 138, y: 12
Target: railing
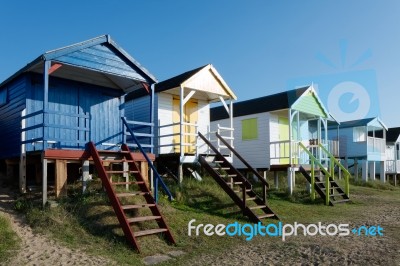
x: 182, y: 145
x: 49, y: 134
x: 225, y: 133
x: 264, y: 182
x: 376, y: 145
x: 156, y: 176
x: 143, y: 132
x: 392, y: 166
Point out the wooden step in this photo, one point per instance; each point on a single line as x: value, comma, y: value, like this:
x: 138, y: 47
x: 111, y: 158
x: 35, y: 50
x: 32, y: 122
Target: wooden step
x: 257, y: 207
x: 340, y: 201
x: 221, y: 168
x: 235, y: 183
x: 269, y: 215
x: 240, y: 191
x: 128, y: 183
x: 251, y: 198
x: 122, y: 172
x: 218, y: 161
x: 137, y: 206
x: 130, y: 194
x: 143, y: 218
x: 337, y: 195
x: 150, y: 232
x: 226, y: 175
x: 112, y: 152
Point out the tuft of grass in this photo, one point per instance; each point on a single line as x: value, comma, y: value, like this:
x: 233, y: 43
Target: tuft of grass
x: 9, y: 241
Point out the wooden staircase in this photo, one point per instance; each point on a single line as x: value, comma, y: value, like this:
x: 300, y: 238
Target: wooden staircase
x: 129, y: 195
x: 336, y: 193
x: 239, y: 189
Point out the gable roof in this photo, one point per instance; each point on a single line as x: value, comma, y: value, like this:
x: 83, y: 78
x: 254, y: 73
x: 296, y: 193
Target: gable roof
x: 362, y: 122
x: 278, y: 101
x: 100, y: 61
x: 188, y: 79
x: 393, y: 134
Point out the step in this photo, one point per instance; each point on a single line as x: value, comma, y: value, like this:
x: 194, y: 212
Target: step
x: 337, y: 195
x: 221, y: 168
x: 240, y: 191
x: 130, y: 194
x: 128, y: 183
x: 235, y: 183
x: 233, y: 175
x: 257, y: 207
x: 251, y: 198
x: 137, y: 206
x: 150, y: 232
x: 218, y: 161
x: 143, y: 218
x: 340, y: 201
x: 269, y: 215
x: 122, y: 172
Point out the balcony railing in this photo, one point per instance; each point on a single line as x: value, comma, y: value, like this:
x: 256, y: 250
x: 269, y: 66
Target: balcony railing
x: 376, y: 145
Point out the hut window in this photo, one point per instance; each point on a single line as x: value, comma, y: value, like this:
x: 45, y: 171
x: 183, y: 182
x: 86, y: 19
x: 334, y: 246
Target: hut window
x: 3, y: 96
x: 249, y: 129
x: 359, y: 134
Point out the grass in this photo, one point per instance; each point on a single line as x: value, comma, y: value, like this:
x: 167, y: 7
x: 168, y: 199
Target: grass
x: 87, y: 222
x: 9, y: 241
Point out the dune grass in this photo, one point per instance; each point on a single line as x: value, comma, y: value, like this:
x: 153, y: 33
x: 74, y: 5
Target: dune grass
x: 9, y: 241
x: 87, y: 222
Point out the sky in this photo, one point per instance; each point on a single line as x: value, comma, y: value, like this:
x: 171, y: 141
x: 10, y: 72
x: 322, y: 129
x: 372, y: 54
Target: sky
x: 347, y: 49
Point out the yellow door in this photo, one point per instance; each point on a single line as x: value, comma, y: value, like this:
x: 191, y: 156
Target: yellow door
x: 190, y: 115
x: 284, y: 136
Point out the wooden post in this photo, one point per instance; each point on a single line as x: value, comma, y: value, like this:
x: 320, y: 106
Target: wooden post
x: 144, y: 170
x: 85, y: 175
x: 290, y: 181
x: 382, y: 174
x: 276, y: 179
x: 364, y: 170
x: 125, y: 167
x: 355, y: 169
x: 372, y: 170
x: 22, y: 161
x: 44, y: 181
x: 61, y: 178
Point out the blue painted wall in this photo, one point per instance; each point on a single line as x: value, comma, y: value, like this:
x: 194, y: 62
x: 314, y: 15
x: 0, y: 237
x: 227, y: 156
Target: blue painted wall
x: 10, y: 118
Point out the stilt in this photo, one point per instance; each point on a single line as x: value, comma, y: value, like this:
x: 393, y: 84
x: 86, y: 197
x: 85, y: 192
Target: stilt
x: 44, y: 181
x: 180, y: 173
x: 372, y: 170
x: 125, y: 168
x: 22, y: 162
x: 85, y: 175
x: 355, y: 169
x: 382, y: 174
x: 290, y: 181
x: 276, y: 179
x: 395, y: 179
x: 61, y: 178
x: 364, y: 170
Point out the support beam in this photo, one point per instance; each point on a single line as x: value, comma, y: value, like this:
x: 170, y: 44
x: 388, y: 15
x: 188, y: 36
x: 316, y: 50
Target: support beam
x: 61, y: 178
x: 187, y: 98
x: 276, y: 179
x: 290, y: 180
x: 125, y: 168
x: 356, y: 169
x: 372, y: 170
x: 22, y: 161
x: 364, y: 171
x: 224, y: 104
x: 382, y: 174
x: 44, y: 181
x: 85, y: 175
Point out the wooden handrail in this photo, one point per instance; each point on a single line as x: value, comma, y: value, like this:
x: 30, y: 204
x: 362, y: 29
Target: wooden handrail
x: 260, y: 178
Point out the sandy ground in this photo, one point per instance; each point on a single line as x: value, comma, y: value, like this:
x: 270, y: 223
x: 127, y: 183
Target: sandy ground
x: 319, y: 250
x: 36, y: 249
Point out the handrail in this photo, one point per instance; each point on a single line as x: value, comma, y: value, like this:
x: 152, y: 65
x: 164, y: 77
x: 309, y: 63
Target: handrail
x: 156, y: 175
x: 326, y: 173
x: 260, y: 178
x: 335, y: 161
x: 244, y: 180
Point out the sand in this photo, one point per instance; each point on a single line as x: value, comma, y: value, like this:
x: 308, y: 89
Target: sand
x: 37, y: 249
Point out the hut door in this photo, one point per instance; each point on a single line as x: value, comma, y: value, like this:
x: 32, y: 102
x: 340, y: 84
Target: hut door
x: 284, y: 137
x: 190, y: 115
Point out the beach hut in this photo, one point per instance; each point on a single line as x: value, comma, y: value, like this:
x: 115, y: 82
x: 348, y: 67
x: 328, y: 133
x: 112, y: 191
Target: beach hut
x: 51, y: 108
x: 181, y: 111
x: 273, y: 132
x: 363, y: 141
x: 393, y: 152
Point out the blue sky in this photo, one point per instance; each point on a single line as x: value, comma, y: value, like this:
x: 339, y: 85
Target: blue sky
x: 259, y: 47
